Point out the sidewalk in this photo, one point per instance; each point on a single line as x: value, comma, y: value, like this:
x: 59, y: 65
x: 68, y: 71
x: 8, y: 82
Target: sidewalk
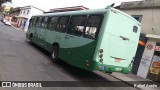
x: 132, y: 80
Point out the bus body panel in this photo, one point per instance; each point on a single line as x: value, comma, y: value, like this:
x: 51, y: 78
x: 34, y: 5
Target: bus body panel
x: 79, y: 56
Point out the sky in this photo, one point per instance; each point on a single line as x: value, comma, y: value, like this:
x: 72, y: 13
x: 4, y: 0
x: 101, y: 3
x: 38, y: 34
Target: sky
x: 51, y: 4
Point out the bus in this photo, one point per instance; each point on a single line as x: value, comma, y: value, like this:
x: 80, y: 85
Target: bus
x: 102, y: 39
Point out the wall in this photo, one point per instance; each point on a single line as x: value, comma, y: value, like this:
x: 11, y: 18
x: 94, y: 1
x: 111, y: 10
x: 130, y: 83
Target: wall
x: 150, y: 20
x: 35, y: 11
x: 26, y: 14
x: 146, y: 58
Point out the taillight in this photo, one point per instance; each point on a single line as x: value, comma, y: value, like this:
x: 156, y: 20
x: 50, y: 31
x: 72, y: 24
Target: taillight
x: 101, y: 55
x: 101, y: 50
x: 101, y: 60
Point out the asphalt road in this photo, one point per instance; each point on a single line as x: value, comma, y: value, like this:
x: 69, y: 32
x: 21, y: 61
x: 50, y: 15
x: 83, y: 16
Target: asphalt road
x: 22, y: 61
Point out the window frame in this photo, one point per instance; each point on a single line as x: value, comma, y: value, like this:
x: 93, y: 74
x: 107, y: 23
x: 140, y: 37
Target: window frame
x: 98, y: 27
x: 73, y: 33
x: 28, y: 12
x: 49, y: 27
x: 35, y: 21
x: 31, y: 21
x: 66, y: 24
x: 46, y: 23
x: 39, y: 23
x: 139, y: 16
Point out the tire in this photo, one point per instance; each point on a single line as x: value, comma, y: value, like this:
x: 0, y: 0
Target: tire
x: 109, y: 72
x: 30, y: 38
x: 55, y: 53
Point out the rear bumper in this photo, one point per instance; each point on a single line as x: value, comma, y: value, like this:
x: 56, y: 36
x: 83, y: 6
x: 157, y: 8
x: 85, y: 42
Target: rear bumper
x: 111, y: 68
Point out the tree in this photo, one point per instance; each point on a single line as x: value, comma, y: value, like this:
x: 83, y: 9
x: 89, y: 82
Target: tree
x: 11, y: 10
x: 2, y: 1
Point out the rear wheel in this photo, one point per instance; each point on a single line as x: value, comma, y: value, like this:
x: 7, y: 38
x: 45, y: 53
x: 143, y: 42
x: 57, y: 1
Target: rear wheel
x: 30, y: 38
x: 54, y: 54
x: 109, y: 72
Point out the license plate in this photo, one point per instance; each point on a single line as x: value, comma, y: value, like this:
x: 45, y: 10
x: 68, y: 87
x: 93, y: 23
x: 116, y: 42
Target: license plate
x: 117, y: 59
x: 118, y: 69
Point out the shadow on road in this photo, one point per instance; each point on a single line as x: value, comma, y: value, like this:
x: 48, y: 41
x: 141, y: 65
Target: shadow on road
x: 77, y: 73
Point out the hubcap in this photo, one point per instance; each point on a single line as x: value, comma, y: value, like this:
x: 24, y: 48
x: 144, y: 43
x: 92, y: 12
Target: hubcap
x: 54, y: 54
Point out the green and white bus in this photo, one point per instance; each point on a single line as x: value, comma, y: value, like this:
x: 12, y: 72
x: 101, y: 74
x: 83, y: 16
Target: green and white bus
x: 102, y: 39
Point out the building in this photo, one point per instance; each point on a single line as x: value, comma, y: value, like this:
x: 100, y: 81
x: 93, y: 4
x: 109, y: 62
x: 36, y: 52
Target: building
x: 25, y: 14
x: 15, y: 14
x: 148, y: 13
x: 65, y: 9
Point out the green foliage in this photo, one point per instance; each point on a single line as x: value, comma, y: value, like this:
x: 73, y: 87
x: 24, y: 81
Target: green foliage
x: 11, y: 10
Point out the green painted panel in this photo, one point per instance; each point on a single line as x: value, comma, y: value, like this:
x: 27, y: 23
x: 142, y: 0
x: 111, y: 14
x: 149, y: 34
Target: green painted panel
x: 79, y: 56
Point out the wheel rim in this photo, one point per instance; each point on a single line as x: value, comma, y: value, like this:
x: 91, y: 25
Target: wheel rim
x: 54, y: 54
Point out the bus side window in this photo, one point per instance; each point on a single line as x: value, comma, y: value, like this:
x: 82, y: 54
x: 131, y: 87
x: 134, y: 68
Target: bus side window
x: 31, y: 22
x: 35, y: 21
x: 44, y: 23
x: 39, y: 22
x: 93, y: 26
x: 62, y: 23
x: 76, y: 25
x: 52, y: 23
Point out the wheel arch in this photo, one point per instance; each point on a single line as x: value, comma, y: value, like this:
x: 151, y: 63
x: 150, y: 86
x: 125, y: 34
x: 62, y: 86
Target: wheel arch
x: 30, y: 35
x: 55, y: 44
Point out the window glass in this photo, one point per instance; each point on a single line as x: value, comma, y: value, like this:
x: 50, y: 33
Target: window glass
x: 27, y: 12
x: 76, y: 25
x: 45, y: 22
x: 93, y: 26
x: 35, y: 21
x: 135, y: 29
x: 52, y: 23
x: 39, y: 22
x: 62, y: 23
x: 31, y: 21
x: 137, y: 17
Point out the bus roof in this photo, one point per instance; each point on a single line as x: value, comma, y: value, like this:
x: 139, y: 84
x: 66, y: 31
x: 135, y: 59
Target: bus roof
x: 85, y: 12
x: 80, y: 12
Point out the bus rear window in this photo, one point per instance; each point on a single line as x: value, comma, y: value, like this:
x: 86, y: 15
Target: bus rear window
x: 93, y: 26
x: 135, y: 29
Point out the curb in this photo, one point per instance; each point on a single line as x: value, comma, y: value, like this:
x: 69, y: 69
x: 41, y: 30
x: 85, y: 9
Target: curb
x: 130, y: 84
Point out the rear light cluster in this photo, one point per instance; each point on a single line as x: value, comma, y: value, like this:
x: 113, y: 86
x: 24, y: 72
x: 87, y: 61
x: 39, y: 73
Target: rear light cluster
x: 101, y: 55
x: 87, y: 63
